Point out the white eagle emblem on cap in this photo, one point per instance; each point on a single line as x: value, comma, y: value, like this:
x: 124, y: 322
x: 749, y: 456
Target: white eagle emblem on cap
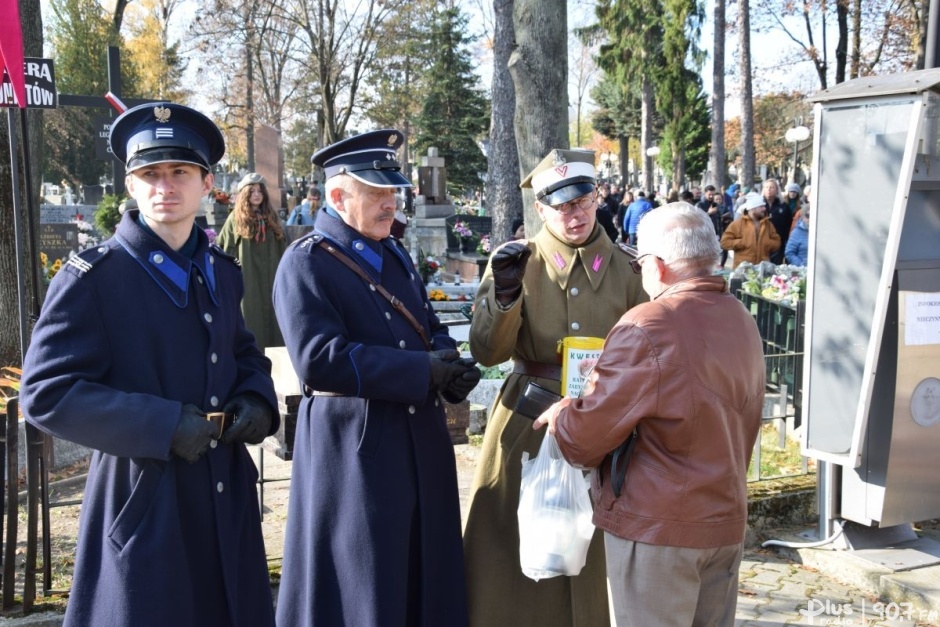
x: 161, y: 113
x: 558, y: 158
x: 392, y: 139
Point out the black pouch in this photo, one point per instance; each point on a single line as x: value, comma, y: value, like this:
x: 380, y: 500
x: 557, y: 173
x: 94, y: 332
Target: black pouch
x: 535, y: 400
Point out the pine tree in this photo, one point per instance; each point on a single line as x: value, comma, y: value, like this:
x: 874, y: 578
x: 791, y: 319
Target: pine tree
x: 454, y: 114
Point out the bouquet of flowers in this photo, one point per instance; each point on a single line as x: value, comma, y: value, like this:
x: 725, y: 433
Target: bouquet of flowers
x: 220, y: 197
x: 783, y: 283
x: 484, y: 247
x: 462, y: 229
x: 47, y: 269
x: 427, y: 266
x: 438, y: 295
x: 87, y: 234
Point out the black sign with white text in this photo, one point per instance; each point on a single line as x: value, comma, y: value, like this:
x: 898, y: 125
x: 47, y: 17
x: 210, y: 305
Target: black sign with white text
x: 40, y: 85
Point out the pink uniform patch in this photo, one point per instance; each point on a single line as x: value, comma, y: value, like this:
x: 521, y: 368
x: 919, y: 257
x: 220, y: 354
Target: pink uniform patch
x: 559, y: 260
x: 598, y: 260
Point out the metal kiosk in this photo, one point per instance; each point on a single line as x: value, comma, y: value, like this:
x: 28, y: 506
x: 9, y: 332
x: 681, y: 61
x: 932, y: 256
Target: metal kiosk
x: 872, y: 379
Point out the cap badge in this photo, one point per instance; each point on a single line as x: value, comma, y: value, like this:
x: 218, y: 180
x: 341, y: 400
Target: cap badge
x: 561, y: 170
x: 162, y: 114
x: 392, y: 139
x: 558, y: 158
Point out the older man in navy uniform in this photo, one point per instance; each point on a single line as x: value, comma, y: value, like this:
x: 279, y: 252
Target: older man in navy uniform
x: 373, y: 527
x: 141, y: 341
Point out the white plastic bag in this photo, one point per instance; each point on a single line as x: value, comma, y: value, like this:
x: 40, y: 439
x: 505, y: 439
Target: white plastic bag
x: 555, y: 527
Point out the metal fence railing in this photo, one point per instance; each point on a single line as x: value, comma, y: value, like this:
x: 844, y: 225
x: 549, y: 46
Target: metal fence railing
x: 781, y: 327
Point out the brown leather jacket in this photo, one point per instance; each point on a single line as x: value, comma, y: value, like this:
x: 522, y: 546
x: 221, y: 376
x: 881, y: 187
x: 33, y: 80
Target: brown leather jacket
x: 687, y: 371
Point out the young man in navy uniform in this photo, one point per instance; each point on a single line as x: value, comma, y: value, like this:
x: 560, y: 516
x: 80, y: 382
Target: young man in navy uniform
x: 138, y: 339
x: 373, y: 527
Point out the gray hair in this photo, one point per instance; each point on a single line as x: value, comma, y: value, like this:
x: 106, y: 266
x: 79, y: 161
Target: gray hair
x: 682, y: 236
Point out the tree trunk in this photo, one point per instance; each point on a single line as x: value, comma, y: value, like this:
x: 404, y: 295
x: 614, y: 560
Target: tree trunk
x: 716, y: 156
x: 646, y: 133
x: 503, y: 197
x: 623, y: 144
x: 747, y: 104
x: 31, y: 20
x: 856, y: 38
x: 250, y: 104
x: 539, y: 70
x: 842, y: 44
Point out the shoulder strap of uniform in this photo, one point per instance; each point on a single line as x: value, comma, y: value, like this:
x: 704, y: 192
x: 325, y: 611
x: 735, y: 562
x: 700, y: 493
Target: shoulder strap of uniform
x: 395, y: 303
x: 216, y: 250
x: 83, y: 262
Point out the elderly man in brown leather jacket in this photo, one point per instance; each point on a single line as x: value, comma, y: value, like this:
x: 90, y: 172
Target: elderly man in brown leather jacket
x: 686, y: 372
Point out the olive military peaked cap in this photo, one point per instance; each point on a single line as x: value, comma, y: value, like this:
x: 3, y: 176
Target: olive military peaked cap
x: 562, y: 176
x: 369, y: 158
x: 165, y: 133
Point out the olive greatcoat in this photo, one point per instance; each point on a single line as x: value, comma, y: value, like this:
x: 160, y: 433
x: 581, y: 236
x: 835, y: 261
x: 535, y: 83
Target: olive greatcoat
x: 130, y: 332
x: 373, y: 526
x: 567, y: 291
x: 259, y: 260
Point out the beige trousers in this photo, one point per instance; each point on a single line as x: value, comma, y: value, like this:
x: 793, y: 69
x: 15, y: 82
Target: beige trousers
x: 670, y: 586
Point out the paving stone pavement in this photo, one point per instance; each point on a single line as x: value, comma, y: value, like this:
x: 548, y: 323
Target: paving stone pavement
x: 773, y: 589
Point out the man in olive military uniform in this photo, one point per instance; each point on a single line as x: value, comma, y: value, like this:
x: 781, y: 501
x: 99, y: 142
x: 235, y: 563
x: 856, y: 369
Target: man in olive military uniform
x: 373, y: 527
x: 567, y: 280
x: 141, y: 340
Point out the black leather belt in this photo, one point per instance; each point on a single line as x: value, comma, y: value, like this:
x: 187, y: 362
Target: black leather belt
x: 308, y: 391
x: 537, y: 369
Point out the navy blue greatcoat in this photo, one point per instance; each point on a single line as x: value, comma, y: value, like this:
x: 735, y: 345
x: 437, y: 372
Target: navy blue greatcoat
x: 131, y: 331
x: 373, y: 525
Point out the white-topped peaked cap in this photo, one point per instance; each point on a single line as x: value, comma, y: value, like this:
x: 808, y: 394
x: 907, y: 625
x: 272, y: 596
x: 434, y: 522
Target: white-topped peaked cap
x: 369, y: 158
x: 562, y: 175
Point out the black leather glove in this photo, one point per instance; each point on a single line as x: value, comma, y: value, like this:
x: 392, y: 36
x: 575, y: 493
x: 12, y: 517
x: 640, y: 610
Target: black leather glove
x: 461, y: 386
x: 445, y: 367
x: 508, y: 266
x: 192, y: 434
x: 252, y: 419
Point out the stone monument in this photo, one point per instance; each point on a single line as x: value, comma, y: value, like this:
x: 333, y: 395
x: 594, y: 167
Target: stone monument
x: 427, y: 230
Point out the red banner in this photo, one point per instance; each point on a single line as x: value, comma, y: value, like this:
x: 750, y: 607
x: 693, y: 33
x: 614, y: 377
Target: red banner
x: 11, y: 48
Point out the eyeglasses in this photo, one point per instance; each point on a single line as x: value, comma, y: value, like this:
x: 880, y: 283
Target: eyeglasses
x: 584, y: 204
x: 637, y: 267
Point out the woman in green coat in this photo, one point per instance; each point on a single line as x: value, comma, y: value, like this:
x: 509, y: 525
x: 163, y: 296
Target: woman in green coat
x: 252, y: 233
x: 568, y: 280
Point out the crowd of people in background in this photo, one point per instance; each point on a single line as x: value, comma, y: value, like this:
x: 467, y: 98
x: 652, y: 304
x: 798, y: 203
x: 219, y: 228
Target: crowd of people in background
x: 776, y: 226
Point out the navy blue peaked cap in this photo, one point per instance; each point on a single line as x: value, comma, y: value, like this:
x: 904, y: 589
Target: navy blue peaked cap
x: 165, y: 132
x: 369, y: 157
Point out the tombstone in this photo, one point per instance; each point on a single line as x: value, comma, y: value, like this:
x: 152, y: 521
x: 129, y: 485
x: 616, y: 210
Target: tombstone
x: 269, y: 162
x: 432, y: 178
x: 92, y: 194
x: 58, y: 241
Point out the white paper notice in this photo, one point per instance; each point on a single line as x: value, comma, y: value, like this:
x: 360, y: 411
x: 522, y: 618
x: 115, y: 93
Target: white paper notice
x: 921, y: 318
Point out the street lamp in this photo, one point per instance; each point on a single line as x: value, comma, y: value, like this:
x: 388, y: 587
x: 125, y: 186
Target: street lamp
x: 796, y: 135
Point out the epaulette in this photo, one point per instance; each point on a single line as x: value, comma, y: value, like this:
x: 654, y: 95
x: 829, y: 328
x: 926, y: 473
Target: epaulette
x: 218, y: 252
x: 626, y: 248
x: 83, y: 262
x: 309, y: 242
